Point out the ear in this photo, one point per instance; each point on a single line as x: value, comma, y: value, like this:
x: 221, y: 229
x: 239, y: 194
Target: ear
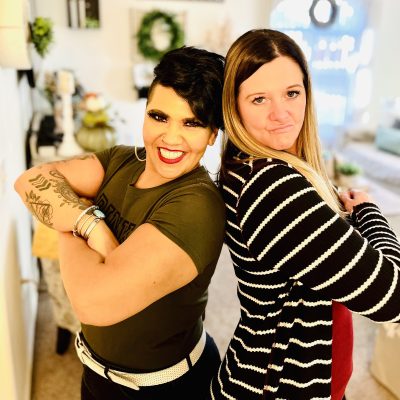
x: 213, y: 137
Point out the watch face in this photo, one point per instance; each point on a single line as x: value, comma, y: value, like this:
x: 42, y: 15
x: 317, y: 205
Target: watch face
x: 99, y: 213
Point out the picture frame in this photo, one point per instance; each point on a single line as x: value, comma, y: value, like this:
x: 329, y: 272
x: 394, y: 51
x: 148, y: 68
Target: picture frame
x: 83, y: 14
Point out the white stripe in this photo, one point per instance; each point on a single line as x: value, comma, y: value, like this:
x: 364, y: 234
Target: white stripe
x: 376, y: 226
x: 253, y: 332
x: 263, y: 273
x: 344, y: 270
x: 366, y: 284
x: 313, y: 398
x: 288, y: 228
x: 367, y: 214
x: 280, y: 346
x: 326, y: 254
x: 275, y: 367
x: 230, y: 208
x: 234, y: 226
x: 252, y: 349
x: 386, y: 248
x: 310, y: 344
x: 230, y: 191
x: 304, y: 323
x: 238, y: 177
x: 262, y: 286
x: 391, y: 243
x: 236, y: 241
x: 318, y: 303
x: 308, y: 303
x: 386, y: 297
x: 386, y: 234
x: 393, y: 258
x: 251, y: 367
x: 251, y: 315
x: 257, y: 175
x: 264, y: 194
x: 304, y: 384
x: 276, y: 210
x: 220, y: 382
x: 241, y: 257
x: 264, y: 303
x: 272, y: 389
x: 309, y: 364
x: 369, y: 221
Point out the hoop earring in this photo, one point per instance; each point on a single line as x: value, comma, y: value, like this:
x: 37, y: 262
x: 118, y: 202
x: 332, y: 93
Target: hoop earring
x: 136, y: 154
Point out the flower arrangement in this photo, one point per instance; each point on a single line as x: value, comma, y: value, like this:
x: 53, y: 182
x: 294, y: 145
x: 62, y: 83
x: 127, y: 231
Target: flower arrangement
x: 95, y: 111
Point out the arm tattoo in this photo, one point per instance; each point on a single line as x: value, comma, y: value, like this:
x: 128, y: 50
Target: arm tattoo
x: 40, y: 208
x: 82, y: 157
x: 40, y: 182
x: 65, y: 193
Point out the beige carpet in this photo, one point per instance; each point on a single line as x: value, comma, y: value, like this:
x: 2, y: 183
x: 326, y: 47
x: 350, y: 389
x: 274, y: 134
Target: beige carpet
x: 57, y: 377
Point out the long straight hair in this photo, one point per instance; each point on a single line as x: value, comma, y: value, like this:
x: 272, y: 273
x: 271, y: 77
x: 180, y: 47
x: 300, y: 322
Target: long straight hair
x: 246, y: 55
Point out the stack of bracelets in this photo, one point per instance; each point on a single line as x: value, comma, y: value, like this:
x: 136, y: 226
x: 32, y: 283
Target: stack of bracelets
x: 86, y: 222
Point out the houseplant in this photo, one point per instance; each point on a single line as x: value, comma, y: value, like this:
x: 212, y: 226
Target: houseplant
x: 348, y: 174
x: 42, y: 35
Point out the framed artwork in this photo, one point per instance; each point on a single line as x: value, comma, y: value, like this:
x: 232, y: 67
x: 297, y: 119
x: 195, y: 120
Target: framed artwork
x: 83, y: 14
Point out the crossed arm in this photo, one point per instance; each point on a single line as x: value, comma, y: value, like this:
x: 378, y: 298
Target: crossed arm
x: 106, y: 282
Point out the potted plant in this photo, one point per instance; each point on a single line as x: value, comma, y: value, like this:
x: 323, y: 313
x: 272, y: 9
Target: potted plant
x: 348, y: 173
x: 42, y: 35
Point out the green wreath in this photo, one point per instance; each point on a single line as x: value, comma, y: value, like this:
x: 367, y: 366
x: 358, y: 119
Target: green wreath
x: 145, y: 42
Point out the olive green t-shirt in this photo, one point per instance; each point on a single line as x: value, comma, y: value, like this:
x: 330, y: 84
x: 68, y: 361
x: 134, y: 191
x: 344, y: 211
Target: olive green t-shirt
x: 188, y: 210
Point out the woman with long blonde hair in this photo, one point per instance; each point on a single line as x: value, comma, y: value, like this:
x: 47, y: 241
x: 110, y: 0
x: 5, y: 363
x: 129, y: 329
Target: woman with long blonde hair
x: 302, y: 268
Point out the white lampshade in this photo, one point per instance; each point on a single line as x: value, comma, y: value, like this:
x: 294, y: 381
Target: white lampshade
x: 14, y: 34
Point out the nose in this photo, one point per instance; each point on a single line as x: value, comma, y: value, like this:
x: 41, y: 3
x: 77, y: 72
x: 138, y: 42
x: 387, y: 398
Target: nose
x: 278, y: 111
x: 172, y: 135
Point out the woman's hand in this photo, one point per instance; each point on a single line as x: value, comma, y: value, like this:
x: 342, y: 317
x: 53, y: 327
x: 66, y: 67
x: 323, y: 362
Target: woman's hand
x: 354, y: 197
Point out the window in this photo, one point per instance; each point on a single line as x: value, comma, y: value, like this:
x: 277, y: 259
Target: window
x: 339, y: 52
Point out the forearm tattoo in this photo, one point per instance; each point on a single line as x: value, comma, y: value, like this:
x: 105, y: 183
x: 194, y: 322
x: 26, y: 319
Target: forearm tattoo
x: 40, y: 182
x: 65, y: 193
x: 40, y: 206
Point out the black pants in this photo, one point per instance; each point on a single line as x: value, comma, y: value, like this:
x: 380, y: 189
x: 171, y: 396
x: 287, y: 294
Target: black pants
x: 194, y: 385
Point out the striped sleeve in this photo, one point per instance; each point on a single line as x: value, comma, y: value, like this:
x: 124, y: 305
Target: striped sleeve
x: 288, y: 227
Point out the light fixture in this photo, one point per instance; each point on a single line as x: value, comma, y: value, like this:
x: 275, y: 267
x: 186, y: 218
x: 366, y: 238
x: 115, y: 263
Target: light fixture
x: 14, y: 34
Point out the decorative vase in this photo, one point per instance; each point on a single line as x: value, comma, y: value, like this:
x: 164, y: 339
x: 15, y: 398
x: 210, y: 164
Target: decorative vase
x: 96, y: 138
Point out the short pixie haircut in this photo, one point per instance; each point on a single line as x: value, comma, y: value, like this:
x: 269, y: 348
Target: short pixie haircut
x: 197, y: 76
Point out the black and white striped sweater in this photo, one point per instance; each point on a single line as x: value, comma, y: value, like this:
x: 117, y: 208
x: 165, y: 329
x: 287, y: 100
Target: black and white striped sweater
x: 292, y: 256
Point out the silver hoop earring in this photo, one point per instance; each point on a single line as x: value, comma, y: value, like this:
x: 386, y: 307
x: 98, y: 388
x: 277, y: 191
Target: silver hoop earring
x: 136, y: 154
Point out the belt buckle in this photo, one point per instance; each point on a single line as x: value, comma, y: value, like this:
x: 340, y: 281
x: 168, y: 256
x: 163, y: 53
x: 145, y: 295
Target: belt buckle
x: 108, y: 371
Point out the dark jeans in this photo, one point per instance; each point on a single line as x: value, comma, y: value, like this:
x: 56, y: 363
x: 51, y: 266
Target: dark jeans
x: 194, y: 385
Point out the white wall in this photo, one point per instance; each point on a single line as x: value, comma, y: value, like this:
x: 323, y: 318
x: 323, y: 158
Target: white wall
x: 18, y: 306
x: 103, y: 58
